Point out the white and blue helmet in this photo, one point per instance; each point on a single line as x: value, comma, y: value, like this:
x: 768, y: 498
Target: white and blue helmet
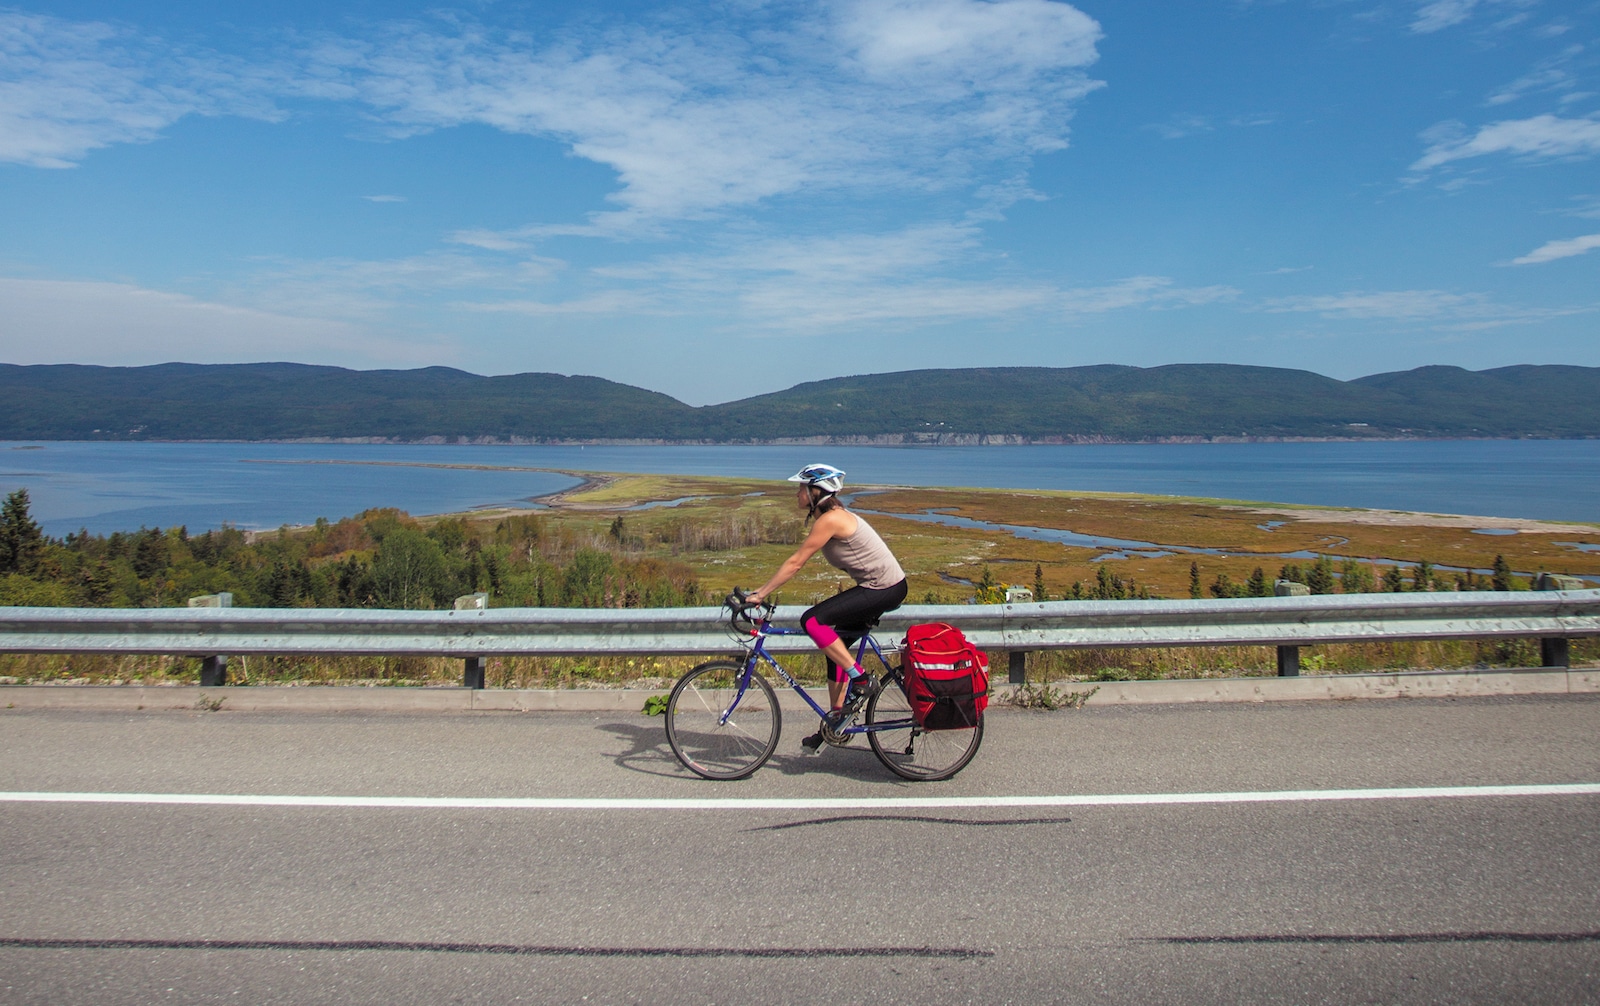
x: 825, y: 477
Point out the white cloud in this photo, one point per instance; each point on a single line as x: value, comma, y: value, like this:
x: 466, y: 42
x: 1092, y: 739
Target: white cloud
x: 384, y: 199
x: 1543, y: 136
x: 57, y: 321
x: 1552, y: 250
x: 67, y: 88
x: 933, y: 40
x: 780, y: 100
x: 772, y: 99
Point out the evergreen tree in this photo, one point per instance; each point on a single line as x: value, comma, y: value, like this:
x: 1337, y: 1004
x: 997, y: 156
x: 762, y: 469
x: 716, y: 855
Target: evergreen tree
x: 1355, y: 578
x: 1501, y: 578
x: 1422, y: 576
x: 1320, y: 576
x: 1194, y: 579
x: 1039, y: 593
x: 1223, y: 586
x: 1394, y: 581
x: 1257, y: 585
x: 1108, y: 586
x: 20, y: 538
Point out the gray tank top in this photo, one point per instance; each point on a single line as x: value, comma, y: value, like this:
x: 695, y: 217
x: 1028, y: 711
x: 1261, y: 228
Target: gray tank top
x: 865, y: 557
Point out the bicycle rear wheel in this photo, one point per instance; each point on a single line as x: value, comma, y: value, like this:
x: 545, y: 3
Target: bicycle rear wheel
x: 911, y: 752
x: 707, y: 744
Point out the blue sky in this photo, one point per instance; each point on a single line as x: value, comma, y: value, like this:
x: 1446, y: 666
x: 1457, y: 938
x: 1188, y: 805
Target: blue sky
x: 721, y: 199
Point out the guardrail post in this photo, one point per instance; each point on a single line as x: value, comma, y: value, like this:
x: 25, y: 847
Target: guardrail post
x: 214, y: 671
x: 1017, y: 664
x: 1553, y: 652
x: 1288, y: 661
x: 213, y: 668
x: 477, y: 667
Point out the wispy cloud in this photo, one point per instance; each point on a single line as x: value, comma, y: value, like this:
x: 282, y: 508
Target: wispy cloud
x: 67, y: 88
x: 377, y: 290
x: 1553, y: 73
x: 853, y: 282
x: 1438, y: 309
x: 1181, y: 126
x: 1542, y: 136
x: 1437, y: 15
x: 1552, y: 250
x: 1441, y: 14
x: 56, y: 321
x: 384, y: 199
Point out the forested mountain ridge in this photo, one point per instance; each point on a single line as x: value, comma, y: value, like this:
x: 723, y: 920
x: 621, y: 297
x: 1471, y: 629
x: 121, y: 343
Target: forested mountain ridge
x: 285, y: 401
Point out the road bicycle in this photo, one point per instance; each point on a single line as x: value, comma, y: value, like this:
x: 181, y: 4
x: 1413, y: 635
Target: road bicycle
x: 723, y: 718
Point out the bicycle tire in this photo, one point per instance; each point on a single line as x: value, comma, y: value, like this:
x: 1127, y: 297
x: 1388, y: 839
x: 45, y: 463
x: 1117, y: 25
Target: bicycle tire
x: 722, y: 751
x: 913, y: 753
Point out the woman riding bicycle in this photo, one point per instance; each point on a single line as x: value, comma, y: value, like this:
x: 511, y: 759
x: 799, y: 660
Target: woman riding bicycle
x: 850, y: 544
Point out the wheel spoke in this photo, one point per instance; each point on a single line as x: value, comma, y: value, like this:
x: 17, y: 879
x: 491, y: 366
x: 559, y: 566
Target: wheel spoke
x: 706, y: 742
x: 917, y: 754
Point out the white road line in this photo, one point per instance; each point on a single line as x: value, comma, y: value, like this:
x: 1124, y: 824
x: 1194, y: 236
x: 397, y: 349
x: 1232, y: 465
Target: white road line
x: 803, y: 803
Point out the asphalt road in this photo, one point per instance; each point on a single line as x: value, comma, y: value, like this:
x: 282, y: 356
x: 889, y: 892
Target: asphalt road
x: 1480, y: 899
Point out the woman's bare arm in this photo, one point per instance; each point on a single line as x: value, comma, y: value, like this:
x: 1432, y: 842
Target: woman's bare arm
x: 827, y: 526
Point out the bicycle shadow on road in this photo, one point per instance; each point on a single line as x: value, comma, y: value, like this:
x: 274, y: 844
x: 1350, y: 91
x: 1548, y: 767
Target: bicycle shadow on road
x: 648, y: 753
x: 647, y: 750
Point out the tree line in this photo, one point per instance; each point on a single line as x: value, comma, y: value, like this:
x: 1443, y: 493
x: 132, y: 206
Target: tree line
x: 381, y: 558
x: 1352, y: 577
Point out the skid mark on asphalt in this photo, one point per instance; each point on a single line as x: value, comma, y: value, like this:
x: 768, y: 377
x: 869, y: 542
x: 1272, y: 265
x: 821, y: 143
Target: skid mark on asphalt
x: 1458, y: 937
x: 964, y: 822
x: 517, y: 949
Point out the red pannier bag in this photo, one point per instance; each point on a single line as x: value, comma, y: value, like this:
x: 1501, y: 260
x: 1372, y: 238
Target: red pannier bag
x: 947, y: 678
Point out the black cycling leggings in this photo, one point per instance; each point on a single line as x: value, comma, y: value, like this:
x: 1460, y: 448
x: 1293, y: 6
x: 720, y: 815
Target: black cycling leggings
x: 850, y: 615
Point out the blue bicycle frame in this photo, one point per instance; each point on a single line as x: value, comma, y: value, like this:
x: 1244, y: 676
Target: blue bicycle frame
x: 758, y: 652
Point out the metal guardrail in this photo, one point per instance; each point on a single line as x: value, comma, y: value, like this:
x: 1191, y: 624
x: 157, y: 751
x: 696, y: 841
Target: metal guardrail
x: 474, y: 635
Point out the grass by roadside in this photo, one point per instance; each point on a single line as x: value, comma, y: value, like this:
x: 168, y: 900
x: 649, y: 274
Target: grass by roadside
x: 1057, y: 666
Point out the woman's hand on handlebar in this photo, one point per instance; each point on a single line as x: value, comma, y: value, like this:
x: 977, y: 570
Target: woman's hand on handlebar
x: 742, y: 602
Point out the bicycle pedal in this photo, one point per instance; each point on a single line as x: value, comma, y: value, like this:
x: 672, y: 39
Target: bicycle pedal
x: 812, y: 744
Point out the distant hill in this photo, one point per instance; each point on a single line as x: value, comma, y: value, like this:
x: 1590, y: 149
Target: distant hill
x: 283, y: 401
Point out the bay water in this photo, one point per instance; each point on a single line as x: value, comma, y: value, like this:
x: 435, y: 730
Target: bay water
x: 106, y: 487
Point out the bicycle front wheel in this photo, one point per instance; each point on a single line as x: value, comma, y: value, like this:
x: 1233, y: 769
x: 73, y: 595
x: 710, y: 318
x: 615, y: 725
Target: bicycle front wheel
x: 710, y: 740
x: 911, y: 752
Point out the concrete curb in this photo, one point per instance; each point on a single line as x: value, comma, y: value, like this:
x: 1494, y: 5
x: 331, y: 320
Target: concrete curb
x: 1411, y: 684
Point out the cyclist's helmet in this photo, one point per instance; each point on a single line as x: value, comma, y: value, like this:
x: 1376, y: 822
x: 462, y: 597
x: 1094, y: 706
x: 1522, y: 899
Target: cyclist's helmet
x: 825, y: 477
